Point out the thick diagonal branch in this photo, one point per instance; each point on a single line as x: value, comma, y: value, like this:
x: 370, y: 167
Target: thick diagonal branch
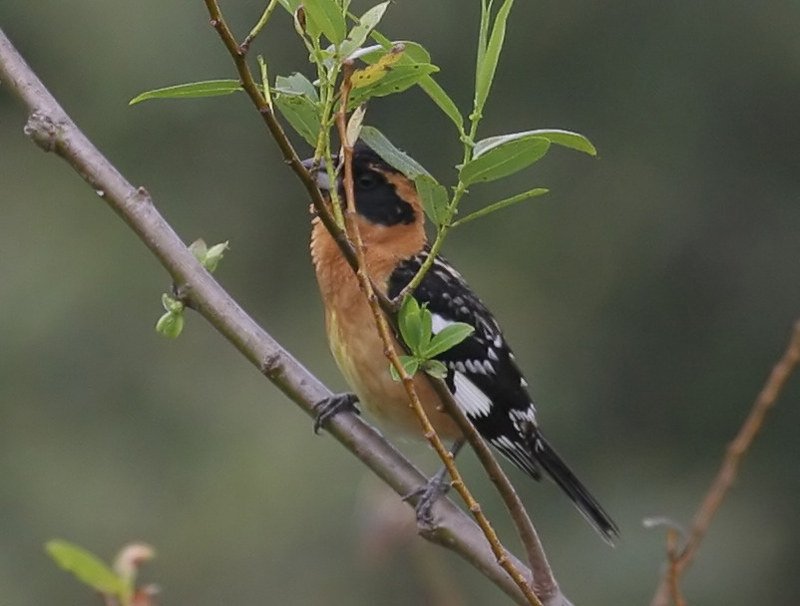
x: 53, y: 130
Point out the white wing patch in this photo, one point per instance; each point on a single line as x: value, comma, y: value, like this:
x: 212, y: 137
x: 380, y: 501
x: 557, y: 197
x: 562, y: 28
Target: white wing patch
x: 469, y: 397
x: 439, y: 323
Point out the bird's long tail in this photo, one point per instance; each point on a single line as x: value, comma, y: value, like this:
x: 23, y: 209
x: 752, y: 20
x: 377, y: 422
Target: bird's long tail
x: 562, y: 475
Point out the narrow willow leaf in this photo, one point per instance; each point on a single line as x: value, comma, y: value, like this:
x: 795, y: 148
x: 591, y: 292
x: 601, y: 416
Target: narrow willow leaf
x: 209, y: 88
x: 302, y: 114
x: 355, y: 124
x: 447, y: 338
x: 328, y: 18
x: 413, y: 52
x: 391, y: 155
x: 397, y: 79
x: 262, y: 65
x: 502, y: 204
x: 86, y: 566
x: 433, y: 196
x: 358, y: 35
x: 296, y: 84
x: 483, y: 35
x: 483, y: 82
x: 443, y: 100
x: 503, y: 160
x: 379, y: 69
x: 417, y: 53
x: 564, y: 138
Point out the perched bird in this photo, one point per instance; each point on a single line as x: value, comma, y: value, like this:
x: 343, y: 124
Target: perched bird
x: 482, y: 374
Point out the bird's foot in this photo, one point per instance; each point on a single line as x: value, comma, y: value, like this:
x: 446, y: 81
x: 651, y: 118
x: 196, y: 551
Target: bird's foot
x: 330, y: 407
x: 427, y: 496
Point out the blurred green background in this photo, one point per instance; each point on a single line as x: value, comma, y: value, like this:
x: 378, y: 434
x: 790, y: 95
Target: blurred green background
x: 647, y: 296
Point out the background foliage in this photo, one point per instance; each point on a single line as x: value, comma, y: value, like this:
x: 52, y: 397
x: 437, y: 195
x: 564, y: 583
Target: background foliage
x: 646, y: 296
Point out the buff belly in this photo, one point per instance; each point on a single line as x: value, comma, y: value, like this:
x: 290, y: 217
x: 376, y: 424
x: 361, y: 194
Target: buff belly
x: 366, y: 369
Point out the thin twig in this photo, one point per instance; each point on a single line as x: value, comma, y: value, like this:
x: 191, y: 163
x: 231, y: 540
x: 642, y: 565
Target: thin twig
x: 668, y: 588
x: 289, y: 154
x: 391, y: 353
x: 544, y: 583
x: 53, y: 130
x: 245, y: 46
x: 543, y: 579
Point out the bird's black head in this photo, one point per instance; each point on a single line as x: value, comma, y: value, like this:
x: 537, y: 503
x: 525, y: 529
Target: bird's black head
x: 381, y: 191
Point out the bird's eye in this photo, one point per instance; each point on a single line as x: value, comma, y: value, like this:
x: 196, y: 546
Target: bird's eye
x: 367, y: 180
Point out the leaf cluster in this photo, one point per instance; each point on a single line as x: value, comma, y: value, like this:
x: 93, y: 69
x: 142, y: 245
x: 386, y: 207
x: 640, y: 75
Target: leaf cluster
x: 117, y: 583
x: 416, y: 328
x: 339, y: 42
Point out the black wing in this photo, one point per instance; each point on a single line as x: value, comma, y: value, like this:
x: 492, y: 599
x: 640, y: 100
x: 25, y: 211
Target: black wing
x: 488, y: 385
x: 482, y: 374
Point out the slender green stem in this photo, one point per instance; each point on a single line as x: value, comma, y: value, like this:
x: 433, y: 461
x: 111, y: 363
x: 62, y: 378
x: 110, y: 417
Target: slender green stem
x: 53, y: 130
x: 501, y: 204
x: 390, y: 350
x: 452, y: 208
x: 245, y: 46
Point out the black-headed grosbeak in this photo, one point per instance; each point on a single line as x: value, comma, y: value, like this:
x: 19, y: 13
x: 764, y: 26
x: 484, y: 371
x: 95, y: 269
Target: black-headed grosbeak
x: 482, y: 374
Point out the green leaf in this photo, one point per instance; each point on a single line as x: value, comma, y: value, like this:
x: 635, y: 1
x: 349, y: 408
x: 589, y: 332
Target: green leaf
x: 296, y: 84
x: 86, y: 566
x: 483, y: 34
x: 538, y: 191
x: 171, y: 304
x: 170, y: 325
x: 390, y: 154
x: 372, y: 73
x: 214, y: 255
x: 417, y: 53
x: 443, y: 101
x: 434, y: 198
x: 410, y: 365
x: 564, y: 138
x: 302, y: 114
x: 413, y: 52
x: 409, y: 319
x: 396, y: 79
x: 358, y: 35
x: 426, y: 330
x: 209, y: 88
x: 262, y: 68
x: 435, y: 368
x: 354, y: 125
x: 504, y: 159
x: 327, y: 17
x: 290, y: 5
x: 489, y: 59
x: 199, y: 249
x: 450, y: 336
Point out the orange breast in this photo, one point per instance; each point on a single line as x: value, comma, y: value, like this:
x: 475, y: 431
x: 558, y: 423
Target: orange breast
x: 358, y: 350
x: 356, y: 344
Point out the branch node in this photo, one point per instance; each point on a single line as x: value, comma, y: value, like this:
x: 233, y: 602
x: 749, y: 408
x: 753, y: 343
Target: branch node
x: 141, y: 197
x: 270, y: 364
x: 41, y: 129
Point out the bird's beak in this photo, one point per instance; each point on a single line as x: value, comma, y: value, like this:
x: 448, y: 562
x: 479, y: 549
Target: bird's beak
x: 320, y: 174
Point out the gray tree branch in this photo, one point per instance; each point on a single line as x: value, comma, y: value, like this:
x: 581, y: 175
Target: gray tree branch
x: 52, y: 129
